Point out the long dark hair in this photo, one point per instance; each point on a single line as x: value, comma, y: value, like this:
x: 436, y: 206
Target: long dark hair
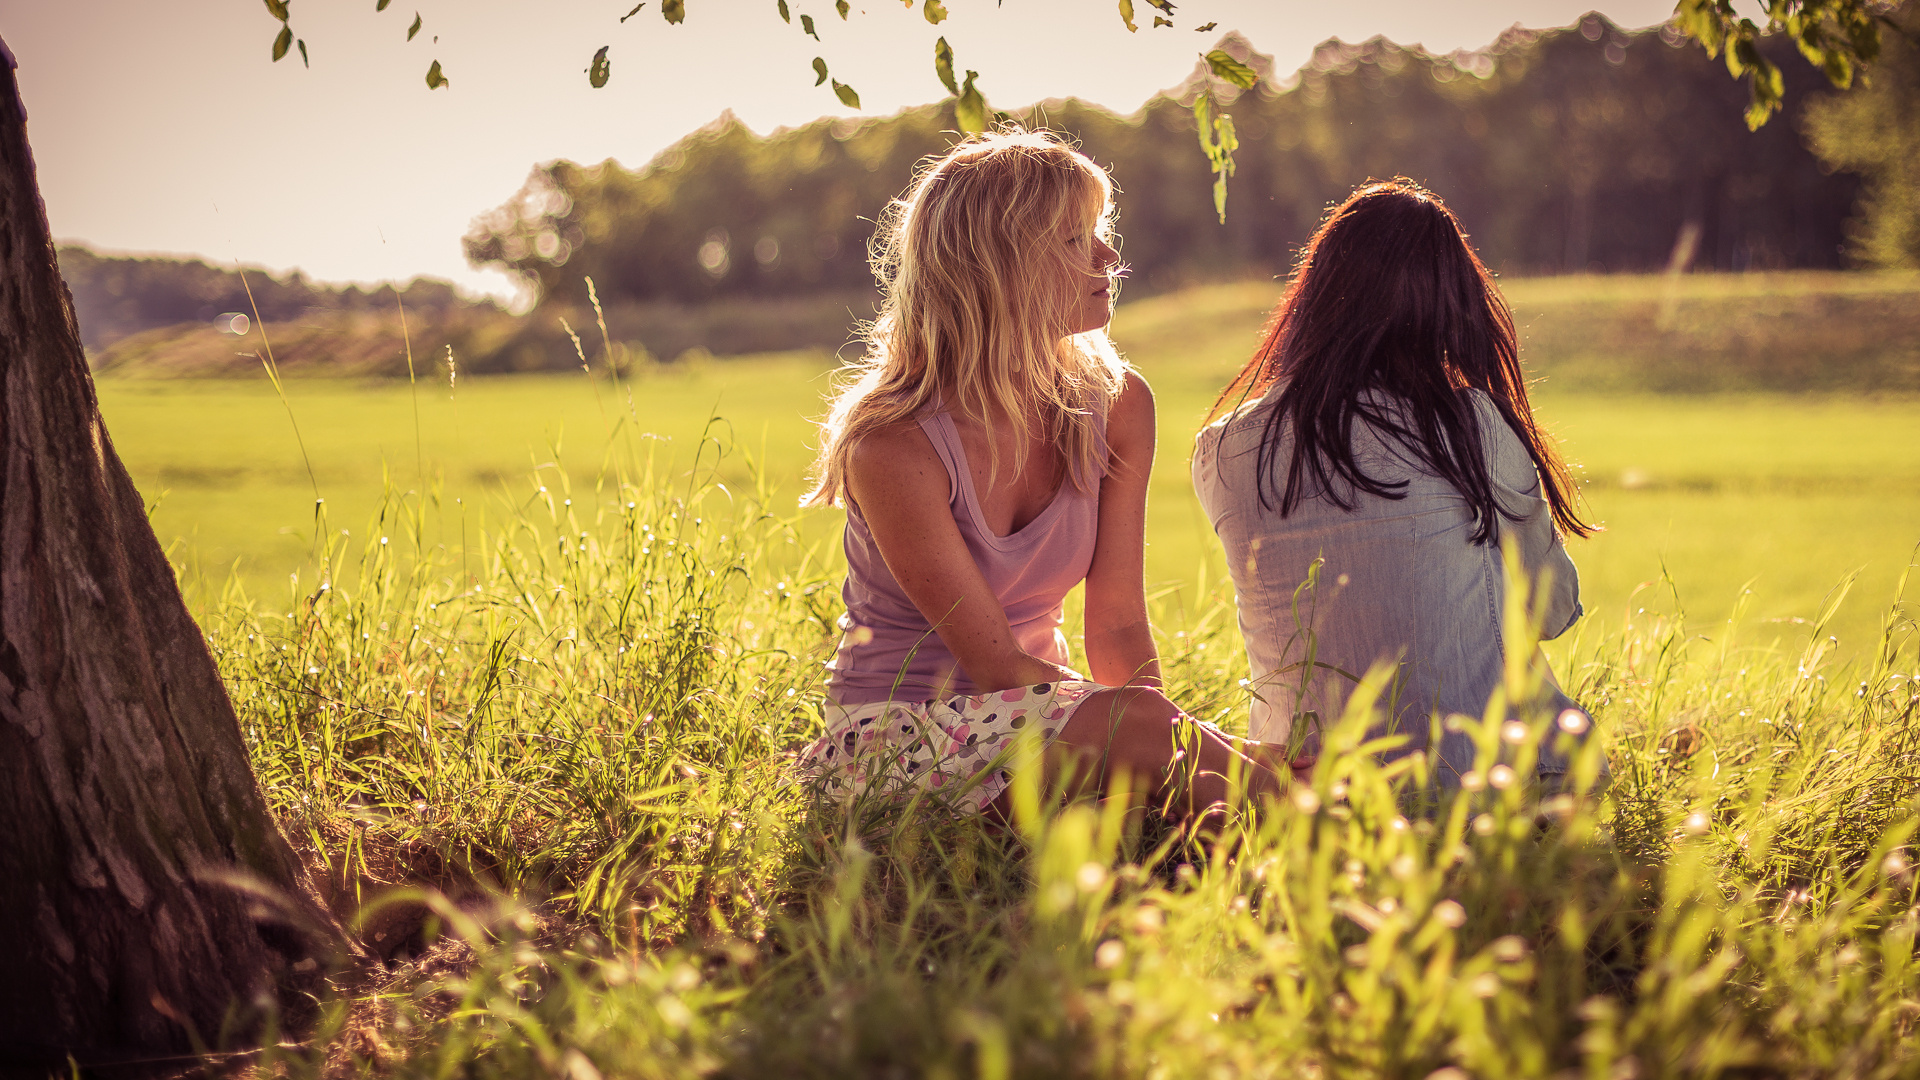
x: 1391, y: 318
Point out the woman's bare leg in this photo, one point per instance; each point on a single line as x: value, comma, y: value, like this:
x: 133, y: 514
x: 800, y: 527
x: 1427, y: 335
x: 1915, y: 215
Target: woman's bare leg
x: 1274, y: 756
x: 1137, y: 732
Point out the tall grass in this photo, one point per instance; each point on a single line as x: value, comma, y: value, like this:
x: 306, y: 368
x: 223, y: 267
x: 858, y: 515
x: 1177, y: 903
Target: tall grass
x: 556, y: 785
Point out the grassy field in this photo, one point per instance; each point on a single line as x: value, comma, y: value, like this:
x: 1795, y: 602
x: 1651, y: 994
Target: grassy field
x: 536, y: 737
x: 550, y: 782
x: 1792, y: 492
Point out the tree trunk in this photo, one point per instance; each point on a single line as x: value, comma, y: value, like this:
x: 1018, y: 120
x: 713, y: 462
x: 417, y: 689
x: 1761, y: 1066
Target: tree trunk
x: 127, y: 805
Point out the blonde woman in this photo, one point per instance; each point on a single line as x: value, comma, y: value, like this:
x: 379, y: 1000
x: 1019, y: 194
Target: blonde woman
x: 992, y: 452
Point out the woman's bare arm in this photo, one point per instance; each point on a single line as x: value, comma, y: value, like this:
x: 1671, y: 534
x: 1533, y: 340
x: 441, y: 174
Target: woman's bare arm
x: 901, y: 487
x: 1120, y: 648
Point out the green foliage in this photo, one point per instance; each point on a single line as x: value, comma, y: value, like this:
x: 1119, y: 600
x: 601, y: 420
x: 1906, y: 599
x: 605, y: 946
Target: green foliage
x: 1218, y: 141
x: 1836, y: 36
x: 943, y: 65
x: 414, y: 28
x: 1562, y: 151
x: 674, y: 11
x: 1224, y: 66
x: 599, y: 70
x: 435, y: 78
x: 581, y: 741
x: 970, y: 107
x: 1874, y: 130
x: 846, y: 95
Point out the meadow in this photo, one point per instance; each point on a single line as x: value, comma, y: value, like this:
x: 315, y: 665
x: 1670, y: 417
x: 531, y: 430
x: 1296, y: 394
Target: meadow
x: 527, y: 697
x: 1766, y: 439
x: 550, y: 781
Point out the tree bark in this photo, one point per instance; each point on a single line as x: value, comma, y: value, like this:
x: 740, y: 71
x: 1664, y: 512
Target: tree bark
x: 127, y: 804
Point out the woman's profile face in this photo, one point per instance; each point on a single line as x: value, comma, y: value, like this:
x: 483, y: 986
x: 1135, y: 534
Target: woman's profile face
x: 1082, y: 264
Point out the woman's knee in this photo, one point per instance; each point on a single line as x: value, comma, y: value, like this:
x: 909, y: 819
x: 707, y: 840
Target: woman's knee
x: 1127, y: 722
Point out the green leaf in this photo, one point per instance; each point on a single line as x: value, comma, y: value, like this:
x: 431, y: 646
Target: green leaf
x: 277, y: 9
x: 846, y: 95
x: 1838, y: 68
x: 1204, y: 29
x: 806, y: 24
x: 1126, y: 16
x: 842, y: 7
x: 1225, y: 67
x: 282, y: 43
x: 943, y: 65
x: 1218, y: 140
x: 600, y: 69
x: 302, y: 46
x: 635, y: 11
x: 1227, y: 139
x: 435, y: 79
x: 819, y: 68
x: 970, y: 108
x: 415, y: 28
x: 935, y: 11
x: 674, y: 11
x: 1159, y: 22
x: 785, y: 15
x: 1163, y: 5
x: 1768, y: 90
x: 381, y: 5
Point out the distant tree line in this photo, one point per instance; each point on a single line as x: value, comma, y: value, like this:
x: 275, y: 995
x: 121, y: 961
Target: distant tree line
x: 1588, y: 148
x: 119, y: 296
x: 1584, y: 149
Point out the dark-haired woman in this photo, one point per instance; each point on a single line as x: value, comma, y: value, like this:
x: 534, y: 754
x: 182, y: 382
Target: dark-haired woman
x: 1383, y: 426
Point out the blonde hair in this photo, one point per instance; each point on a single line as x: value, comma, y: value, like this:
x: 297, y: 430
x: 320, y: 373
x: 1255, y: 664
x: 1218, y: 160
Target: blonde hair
x: 967, y: 322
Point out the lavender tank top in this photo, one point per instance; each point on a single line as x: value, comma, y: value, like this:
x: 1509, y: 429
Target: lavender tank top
x: 889, y: 652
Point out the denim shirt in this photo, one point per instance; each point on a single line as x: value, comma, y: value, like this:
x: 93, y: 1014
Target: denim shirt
x: 1401, y: 582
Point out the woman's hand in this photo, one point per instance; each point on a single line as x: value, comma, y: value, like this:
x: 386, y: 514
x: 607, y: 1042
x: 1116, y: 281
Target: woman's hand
x: 1119, y: 638
x: 898, y: 482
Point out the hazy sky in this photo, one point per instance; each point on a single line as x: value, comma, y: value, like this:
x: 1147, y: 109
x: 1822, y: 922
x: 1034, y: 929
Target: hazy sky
x: 164, y: 127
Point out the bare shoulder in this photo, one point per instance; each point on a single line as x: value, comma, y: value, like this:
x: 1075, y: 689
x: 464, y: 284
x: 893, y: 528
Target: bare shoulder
x: 891, y: 458
x: 1131, y: 415
x: 1131, y: 431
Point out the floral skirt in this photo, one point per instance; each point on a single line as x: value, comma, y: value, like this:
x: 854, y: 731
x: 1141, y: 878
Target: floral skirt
x: 959, y: 748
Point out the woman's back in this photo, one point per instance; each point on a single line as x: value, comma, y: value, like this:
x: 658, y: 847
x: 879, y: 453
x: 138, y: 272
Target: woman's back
x: 1400, y: 581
